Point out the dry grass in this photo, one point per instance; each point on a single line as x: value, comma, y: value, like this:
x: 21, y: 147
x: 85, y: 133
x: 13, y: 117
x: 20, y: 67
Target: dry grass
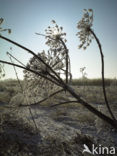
x: 94, y: 94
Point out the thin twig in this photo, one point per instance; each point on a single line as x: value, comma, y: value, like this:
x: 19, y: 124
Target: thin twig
x: 28, y: 69
x: 45, y: 36
x: 16, y: 74
x: 62, y: 103
x: 34, y: 54
x: 15, y: 59
x: 43, y: 100
x: 25, y: 66
x: 30, y: 111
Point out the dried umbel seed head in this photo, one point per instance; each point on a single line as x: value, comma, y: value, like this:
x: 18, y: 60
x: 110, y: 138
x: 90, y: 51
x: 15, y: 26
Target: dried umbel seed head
x: 37, y: 86
x: 84, y: 25
x: 37, y: 65
x: 54, y: 35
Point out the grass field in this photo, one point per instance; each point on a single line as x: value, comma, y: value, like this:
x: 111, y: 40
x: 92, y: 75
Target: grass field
x: 73, y: 115
x: 90, y: 89
x: 93, y: 82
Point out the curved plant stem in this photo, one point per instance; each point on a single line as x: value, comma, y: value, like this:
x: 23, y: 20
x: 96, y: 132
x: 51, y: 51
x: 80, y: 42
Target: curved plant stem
x: 65, y: 86
x: 66, y: 51
x: 62, y: 103
x: 28, y: 69
x: 67, y: 58
x: 107, y: 119
x: 43, y: 100
x: 103, y: 80
x: 55, y: 76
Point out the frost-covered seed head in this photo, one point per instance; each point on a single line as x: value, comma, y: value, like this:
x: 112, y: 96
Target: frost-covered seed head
x: 84, y: 25
x: 54, y: 35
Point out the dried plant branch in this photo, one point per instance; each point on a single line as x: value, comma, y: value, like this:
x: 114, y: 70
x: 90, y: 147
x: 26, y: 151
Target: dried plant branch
x: 45, y: 36
x: 15, y: 71
x: 66, y: 87
x: 67, y: 63
x: 43, y: 100
x: 15, y: 59
x: 30, y: 111
x: 62, y: 103
x: 86, y: 35
x: 103, y: 80
x: 66, y: 51
x: 33, y: 53
x: 56, y: 79
x: 28, y: 69
x: 107, y: 119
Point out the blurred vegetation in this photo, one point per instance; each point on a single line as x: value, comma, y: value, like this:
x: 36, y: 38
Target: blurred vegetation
x: 88, y: 88
x: 93, y: 82
x: 8, y: 88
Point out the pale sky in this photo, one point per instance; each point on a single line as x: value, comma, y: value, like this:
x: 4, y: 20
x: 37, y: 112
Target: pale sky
x: 25, y: 17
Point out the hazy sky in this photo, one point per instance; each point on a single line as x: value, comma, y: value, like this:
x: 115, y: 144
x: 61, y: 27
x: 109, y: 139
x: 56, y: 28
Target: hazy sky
x: 25, y: 17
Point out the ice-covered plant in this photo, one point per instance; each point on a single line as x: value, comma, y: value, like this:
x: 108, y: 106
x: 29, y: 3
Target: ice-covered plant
x: 36, y: 86
x: 54, y: 36
x: 48, y: 67
x: 86, y: 34
x: 56, y: 57
x: 84, y: 25
x: 55, y: 39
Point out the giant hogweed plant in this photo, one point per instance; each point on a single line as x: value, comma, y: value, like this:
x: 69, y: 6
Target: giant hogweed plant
x: 45, y: 71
